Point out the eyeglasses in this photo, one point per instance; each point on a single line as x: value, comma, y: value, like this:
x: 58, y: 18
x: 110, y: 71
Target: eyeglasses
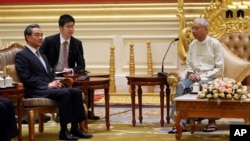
x: 197, y: 27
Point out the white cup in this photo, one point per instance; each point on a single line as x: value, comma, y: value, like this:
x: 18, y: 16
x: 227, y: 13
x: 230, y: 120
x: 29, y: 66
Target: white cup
x: 1, y: 82
x: 8, y: 81
x: 195, y: 87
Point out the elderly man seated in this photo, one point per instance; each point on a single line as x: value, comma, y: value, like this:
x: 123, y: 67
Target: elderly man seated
x: 204, y: 63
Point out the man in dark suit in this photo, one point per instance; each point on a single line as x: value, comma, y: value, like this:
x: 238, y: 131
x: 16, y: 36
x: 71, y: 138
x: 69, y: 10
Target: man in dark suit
x: 54, y: 45
x: 38, y: 79
x: 8, y: 126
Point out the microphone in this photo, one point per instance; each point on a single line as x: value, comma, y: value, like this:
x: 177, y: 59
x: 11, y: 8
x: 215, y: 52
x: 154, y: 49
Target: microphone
x: 162, y: 73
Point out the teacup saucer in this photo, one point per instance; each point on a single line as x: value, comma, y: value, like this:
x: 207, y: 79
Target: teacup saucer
x: 3, y: 87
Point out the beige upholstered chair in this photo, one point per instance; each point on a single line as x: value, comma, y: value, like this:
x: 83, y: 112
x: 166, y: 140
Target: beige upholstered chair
x: 31, y: 106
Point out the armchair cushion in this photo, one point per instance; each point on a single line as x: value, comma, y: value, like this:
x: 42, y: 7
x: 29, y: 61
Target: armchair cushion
x: 235, y: 67
x: 38, y: 102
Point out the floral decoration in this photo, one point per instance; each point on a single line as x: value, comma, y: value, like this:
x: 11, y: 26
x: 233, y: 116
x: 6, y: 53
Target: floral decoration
x: 223, y: 88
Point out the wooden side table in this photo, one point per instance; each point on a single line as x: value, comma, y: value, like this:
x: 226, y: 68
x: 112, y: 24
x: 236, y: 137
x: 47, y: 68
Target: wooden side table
x: 92, y: 84
x: 148, y: 80
x: 76, y: 75
x: 16, y: 94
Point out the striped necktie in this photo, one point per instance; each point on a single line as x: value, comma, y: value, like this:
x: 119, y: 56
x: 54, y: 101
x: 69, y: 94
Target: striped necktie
x: 65, y: 54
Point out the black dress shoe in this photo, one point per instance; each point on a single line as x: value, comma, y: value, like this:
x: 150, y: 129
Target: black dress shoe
x: 65, y: 135
x: 94, y: 117
x: 80, y: 134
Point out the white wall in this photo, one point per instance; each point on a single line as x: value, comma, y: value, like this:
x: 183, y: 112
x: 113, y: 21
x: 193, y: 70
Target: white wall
x: 107, y: 25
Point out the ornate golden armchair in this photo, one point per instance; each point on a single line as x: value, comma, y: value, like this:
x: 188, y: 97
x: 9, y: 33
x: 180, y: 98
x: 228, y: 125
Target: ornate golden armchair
x: 230, y: 25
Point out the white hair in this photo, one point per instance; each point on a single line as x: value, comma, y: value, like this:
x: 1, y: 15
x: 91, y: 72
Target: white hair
x: 202, y: 21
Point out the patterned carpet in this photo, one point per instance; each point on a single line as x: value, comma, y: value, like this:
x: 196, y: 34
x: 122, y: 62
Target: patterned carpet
x: 121, y: 127
x: 125, y: 99
x: 151, y: 118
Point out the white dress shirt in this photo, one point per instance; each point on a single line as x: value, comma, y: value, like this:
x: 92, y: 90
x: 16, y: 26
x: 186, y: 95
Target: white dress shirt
x: 205, y: 58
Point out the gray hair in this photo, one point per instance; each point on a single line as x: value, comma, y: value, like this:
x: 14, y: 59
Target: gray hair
x: 202, y: 21
x: 28, y: 30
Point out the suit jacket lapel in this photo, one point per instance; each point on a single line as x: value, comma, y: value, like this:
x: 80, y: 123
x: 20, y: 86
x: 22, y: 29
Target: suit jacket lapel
x: 38, y: 64
x: 72, y: 50
x: 58, y: 45
x: 48, y: 67
x: 34, y: 57
x: 38, y: 61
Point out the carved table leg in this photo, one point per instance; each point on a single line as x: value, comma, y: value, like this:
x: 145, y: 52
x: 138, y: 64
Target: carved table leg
x: 162, y: 104
x: 140, y: 103
x: 192, y: 125
x: 106, y: 92
x: 177, y: 119
x: 133, y: 104
x: 167, y: 102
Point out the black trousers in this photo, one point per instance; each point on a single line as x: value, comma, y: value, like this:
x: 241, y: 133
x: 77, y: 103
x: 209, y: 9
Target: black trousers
x: 8, y: 125
x: 70, y: 104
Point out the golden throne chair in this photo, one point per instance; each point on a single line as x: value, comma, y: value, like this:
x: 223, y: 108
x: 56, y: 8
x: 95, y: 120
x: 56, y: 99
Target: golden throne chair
x: 230, y: 25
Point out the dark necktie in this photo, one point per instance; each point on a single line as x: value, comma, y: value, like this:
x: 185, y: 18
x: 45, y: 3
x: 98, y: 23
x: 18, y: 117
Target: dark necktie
x: 65, y: 55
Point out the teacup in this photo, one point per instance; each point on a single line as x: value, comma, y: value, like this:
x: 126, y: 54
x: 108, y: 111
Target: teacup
x: 8, y: 81
x: 195, y: 87
x: 1, y: 82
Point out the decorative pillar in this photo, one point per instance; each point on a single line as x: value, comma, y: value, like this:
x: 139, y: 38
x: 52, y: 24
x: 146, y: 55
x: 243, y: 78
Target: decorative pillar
x: 112, y: 86
x: 149, y: 64
x: 149, y: 58
x: 131, y: 60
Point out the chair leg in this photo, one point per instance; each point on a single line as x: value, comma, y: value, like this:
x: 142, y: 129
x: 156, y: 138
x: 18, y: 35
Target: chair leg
x: 19, y: 121
x: 54, y: 114
x: 41, y: 122
x: 31, y: 124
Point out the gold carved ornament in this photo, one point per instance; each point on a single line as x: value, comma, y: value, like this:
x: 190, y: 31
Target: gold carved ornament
x: 219, y: 25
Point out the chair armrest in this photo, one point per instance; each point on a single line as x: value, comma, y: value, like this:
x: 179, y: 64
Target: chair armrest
x: 173, y: 79
x: 18, y: 84
x: 67, y: 82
